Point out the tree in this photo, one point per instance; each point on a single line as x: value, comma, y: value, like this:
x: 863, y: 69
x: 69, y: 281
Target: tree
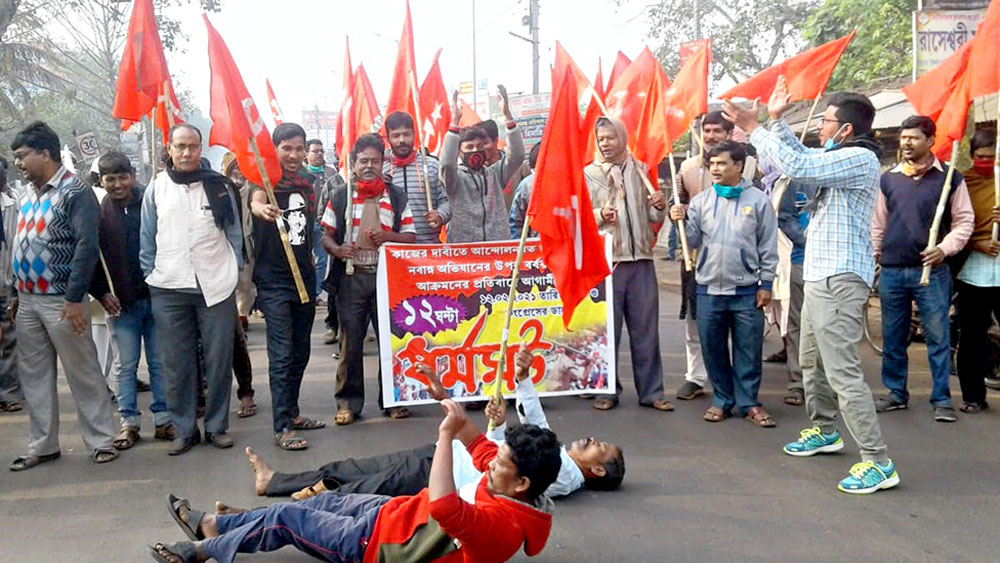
x: 59, y: 61
x: 747, y: 37
x: 882, y: 48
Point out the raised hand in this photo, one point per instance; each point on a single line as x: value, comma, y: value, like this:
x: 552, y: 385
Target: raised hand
x: 780, y: 99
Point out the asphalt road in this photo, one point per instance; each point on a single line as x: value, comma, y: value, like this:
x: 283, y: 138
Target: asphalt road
x: 693, y: 491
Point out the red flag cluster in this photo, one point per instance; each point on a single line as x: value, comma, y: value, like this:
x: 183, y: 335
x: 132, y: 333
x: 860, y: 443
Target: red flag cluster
x: 359, y: 110
x: 944, y: 93
x: 143, y: 79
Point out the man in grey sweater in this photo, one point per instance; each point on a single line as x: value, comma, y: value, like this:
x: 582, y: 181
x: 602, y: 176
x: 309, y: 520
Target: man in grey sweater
x: 475, y: 190
x: 735, y: 230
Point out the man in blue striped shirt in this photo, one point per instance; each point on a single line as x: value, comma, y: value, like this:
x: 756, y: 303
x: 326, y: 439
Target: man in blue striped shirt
x: 838, y: 272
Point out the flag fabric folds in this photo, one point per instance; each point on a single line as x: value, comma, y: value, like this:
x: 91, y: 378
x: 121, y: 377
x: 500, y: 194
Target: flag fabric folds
x: 273, y: 102
x: 807, y: 73
x: 434, y: 107
x: 560, y: 206
x: 143, y: 68
x: 401, y: 94
x: 235, y: 119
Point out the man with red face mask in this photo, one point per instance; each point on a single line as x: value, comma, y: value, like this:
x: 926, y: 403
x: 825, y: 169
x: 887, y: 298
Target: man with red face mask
x: 978, y: 282
x: 475, y: 189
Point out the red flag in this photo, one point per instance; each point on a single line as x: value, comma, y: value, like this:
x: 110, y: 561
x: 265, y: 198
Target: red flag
x: 348, y: 82
x: 469, y: 115
x: 984, y: 61
x: 586, y: 92
x: 235, y: 119
x: 275, y: 109
x: 434, y: 107
x: 951, y: 121
x: 930, y: 92
x: 599, y: 80
x: 560, y: 206
x: 369, y: 107
x: 621, y: 63
x: 650, y: 140
x: 143, y: 67
x: 163, y: 121
x: 687, y: 98
x: 404, y: 75
x: 357, y: 116
x: 626, y: 98
x: 807, y: 73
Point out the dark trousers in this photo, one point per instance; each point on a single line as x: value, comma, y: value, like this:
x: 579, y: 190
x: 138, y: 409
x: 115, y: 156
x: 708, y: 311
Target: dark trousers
x: 736, y: 382
x: 241, y: 363
x: 289, y: 326
x: 976, y: 308
x: 10, y: 387
x: 637, y: 305
x: 180, y: 319
x: 898, y: 288
x: 329, y: 527
x: 331, y: 321
x: 357, y: 307
x: 797, y: 294
x: 399, y: 473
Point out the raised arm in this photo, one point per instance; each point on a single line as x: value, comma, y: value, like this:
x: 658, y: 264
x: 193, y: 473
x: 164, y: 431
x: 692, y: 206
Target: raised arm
x: 448, y: 167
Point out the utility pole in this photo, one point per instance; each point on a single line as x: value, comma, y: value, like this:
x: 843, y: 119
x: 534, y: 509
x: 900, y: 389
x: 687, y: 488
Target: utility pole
x: 531, y: 20
x: 475, y: 81
x: 697, y: 19
x: 533, y: 26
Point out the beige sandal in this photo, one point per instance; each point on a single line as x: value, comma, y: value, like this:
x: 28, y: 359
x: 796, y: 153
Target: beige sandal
x: 344, y: 417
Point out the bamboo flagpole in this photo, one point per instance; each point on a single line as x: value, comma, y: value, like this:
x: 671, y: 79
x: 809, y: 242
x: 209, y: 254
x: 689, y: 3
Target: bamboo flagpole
x: 515, y: 276
x: 681, y: 228
x: 812, y: 112
x: 925, y: 275
x: 349, y: 208
x: 293, y: 265
x: 154, y: 161
x: 420, y: 143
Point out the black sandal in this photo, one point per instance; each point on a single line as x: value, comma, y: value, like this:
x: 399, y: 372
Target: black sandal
x: 290, y: 443
x: 25, y: 462
x: 185, y: 550
x: 104, y: 455
x: 191, y: 528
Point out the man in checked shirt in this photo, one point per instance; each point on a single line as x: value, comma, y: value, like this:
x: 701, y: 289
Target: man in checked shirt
x: 838, y: 272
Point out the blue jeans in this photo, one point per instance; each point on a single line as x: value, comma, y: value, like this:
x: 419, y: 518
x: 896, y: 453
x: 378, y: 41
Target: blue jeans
x: 898, y: 288
x: 736, y: 382
x: 133, y: 327
x: 329, y: 526
x: 321, y: 258
x: 289, y: 325
x: 672, y: 241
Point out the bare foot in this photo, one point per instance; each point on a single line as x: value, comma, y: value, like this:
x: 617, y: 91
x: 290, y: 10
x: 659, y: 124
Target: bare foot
x: 222, y: 508
x: 262, y: 472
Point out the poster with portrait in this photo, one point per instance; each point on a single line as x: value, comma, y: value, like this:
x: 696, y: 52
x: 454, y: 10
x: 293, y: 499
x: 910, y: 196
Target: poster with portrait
x: 444, y: 306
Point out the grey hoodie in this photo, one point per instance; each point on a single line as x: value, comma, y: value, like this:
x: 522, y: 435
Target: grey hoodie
x: 737, y: 241
x: 478, y: 210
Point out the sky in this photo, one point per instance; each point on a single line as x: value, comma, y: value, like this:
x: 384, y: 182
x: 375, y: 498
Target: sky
x: 299, y: 44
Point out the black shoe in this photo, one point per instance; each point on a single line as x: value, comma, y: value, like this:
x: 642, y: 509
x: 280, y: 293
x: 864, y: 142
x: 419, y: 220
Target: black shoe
x: 689, y: 391
x: 220, y: 440
x: 142, y: 386
x: 182, y: 445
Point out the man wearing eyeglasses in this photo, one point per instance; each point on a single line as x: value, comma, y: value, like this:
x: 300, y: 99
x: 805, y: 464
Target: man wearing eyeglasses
x: 191, y: 251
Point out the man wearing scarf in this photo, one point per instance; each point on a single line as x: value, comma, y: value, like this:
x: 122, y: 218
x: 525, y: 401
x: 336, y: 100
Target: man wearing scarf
x: 191, y: 251
x: 905, y: 208
x: 693, y: 178
x: 475, y: 187
x: 327, y: 181
x: 405, y: 168
x: 288, y: 320
x: 623, y: 208
x: 735, y: 231
x: 838, y: 271
x: 381, y: 215
x: 979, y: 279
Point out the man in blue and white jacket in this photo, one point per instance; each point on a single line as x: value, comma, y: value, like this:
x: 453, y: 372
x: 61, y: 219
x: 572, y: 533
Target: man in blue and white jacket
x: 735, y: 230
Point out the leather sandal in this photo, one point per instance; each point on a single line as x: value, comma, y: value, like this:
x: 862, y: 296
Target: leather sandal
x: 126, y: 438
x: 191, y: 528
x: 715, y: 414
x: 759, y: 416
x: 605, y: 403
x: 184, y: 550
x: 289, y: 441
x: 344, y: 417
x: 304, y: 423
x: 24, y: 462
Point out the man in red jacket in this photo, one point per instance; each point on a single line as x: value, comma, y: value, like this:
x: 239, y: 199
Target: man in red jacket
x: 486, y: 521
